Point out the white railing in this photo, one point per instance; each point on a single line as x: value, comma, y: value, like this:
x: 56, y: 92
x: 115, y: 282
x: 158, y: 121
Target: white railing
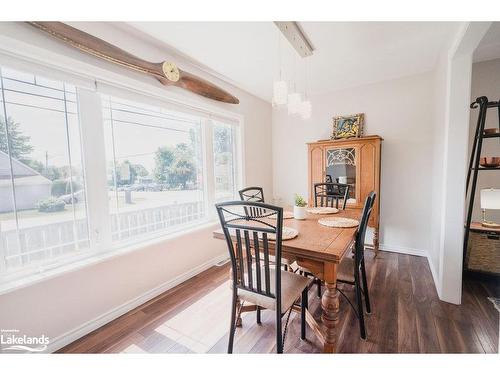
x: 165, y: 218
x: 41, y: 243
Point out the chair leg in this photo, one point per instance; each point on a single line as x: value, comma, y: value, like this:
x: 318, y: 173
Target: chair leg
x: 232, y: 327
x: 365, y: 288
x: 304, y: 304
x: 279, y: 333
x: 318, y: 283
x: 258, y: 315
x: 359, y: 301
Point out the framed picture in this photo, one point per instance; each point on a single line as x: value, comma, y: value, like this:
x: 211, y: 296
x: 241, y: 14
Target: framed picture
x: 348, y: 126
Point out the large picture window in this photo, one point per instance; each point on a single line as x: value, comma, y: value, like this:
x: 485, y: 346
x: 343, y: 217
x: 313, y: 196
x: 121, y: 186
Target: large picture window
x: 83, y: 172
x: 154, y: 164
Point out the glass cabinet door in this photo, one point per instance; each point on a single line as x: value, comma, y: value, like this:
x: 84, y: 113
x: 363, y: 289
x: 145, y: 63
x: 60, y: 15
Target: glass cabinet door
x: 341, y: 168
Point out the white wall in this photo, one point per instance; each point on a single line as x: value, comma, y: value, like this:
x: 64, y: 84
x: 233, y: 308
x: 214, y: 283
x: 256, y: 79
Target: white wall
x: 485, y: 82
x: 454, y: 81
x: 401, y: 112
x: 438, y: 149
x: 71, y: 304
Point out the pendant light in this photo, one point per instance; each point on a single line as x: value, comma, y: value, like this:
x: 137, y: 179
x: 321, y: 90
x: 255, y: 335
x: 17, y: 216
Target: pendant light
x: 280, y: 92
x: 297, y: 104
x: 294, y: 103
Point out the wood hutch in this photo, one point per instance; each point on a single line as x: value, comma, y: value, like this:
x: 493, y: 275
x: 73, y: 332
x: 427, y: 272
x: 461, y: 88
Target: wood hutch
x: 355, y: 161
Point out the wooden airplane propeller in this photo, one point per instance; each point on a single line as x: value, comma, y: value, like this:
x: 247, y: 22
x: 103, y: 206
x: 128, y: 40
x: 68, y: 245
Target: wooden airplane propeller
x: 166, y: 72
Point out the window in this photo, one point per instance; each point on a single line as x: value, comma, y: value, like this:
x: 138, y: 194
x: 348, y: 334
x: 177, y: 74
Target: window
x: 42, y: 186
x: 154, y: 163
x: 83, y: 172
x: 224, y: 161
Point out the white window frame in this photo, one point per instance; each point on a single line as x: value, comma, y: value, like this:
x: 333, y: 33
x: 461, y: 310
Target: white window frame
x: 94, y: 161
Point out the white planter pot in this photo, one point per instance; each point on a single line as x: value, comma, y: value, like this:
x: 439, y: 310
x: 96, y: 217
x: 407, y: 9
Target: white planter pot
x: 299, y: 213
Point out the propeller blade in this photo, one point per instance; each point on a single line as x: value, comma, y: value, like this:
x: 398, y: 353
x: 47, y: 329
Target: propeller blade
x: 97, y: 47
x: 204, y: 88
x: 107, y: 51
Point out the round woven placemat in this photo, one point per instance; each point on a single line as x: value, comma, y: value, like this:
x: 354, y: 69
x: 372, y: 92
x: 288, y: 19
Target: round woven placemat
x: 322, y: 210
x: 339, y: 222
x: 287, y: 234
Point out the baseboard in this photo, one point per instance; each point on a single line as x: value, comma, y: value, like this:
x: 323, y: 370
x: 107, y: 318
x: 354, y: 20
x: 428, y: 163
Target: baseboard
x: 84, y: 329
x: 403, y: 250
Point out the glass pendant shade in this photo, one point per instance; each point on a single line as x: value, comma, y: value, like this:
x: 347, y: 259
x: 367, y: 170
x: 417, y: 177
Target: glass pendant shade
x: 294, y: 103
x: 280, y: 92
x: 305, y: 109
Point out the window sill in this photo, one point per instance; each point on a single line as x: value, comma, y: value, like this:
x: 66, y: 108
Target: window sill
x: 8, y: 285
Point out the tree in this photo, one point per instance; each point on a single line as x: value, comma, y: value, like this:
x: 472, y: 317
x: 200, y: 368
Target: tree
x: 35, y: 165
x: 222, y: 139
x: 134, y: 171
x: 139, y: 170
x: 164, y: 158
x: 19, y: 143
x: 175, y: 166
x: 184, y: 167
x: 51, y: 172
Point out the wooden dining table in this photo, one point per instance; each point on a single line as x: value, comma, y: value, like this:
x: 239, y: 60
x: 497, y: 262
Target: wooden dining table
x: 320, y: 249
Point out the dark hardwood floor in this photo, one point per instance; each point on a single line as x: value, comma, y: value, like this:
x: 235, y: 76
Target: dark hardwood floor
x: 407, y: 317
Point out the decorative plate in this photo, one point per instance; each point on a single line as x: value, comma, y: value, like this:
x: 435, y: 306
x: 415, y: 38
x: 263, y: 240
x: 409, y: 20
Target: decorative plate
x: 287, y: 234
x: 322, y: 210
x: 339, y: 222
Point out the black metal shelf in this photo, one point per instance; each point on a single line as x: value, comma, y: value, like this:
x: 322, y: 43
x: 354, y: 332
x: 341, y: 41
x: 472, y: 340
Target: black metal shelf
x: 496, y: 135
x: 474, y: 167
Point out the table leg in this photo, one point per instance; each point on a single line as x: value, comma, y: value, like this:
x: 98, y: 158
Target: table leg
x: 330, y: 307
x: 375, y: 241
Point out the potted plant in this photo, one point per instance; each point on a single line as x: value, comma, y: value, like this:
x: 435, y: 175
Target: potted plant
x: 299, y: 208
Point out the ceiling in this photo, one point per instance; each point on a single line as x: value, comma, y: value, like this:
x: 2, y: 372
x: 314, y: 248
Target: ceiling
x: 346, y: 54
x: 489, y: 47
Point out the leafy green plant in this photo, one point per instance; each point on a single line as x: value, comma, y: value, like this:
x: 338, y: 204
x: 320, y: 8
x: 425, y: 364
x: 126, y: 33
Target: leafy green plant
x: 51, y: 204
x: 299, y: 201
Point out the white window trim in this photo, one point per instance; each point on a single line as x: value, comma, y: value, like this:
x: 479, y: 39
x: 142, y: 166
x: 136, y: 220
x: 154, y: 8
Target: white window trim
x: 85, y: 76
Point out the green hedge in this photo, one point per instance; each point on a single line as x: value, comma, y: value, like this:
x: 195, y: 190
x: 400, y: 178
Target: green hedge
x: 51, y: 204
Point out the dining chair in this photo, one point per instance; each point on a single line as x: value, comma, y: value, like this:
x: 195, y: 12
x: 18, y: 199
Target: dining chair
x: 352, y: 271
x: 328, y: 192
x: 252, y: 194
x: 256, y: 194
x: 250, y: 239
